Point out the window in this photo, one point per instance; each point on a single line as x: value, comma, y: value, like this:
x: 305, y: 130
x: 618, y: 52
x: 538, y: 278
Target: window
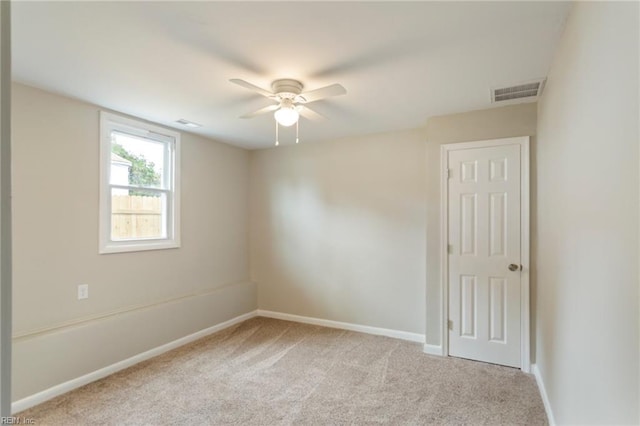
x: 139, y: 185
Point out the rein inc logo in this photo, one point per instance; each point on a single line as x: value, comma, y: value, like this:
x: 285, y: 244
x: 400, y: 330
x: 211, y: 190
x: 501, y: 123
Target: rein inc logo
x: 17, y: 421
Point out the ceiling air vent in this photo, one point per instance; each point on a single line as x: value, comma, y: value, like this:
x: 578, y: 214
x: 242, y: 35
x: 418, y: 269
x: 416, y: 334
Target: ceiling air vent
x: 188, y: 123
x: 520, y: 91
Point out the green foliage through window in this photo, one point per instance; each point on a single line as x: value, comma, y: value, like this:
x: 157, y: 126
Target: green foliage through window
x: 142, y: 171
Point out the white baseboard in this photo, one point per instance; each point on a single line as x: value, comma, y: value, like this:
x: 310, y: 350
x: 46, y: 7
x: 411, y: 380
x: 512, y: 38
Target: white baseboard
x: 543, y: 393
x: 404, y: 335
x: 433, y: 349
x: 70, y: 385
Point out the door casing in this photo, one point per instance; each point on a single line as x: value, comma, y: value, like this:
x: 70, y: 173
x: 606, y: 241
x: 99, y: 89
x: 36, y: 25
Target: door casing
x: 523, y: 142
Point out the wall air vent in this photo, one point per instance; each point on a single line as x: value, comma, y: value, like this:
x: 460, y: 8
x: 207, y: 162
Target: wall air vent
x: 521, y: 91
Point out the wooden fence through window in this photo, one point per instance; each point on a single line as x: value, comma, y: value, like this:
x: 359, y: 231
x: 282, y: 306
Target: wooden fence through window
x: 135, y: 216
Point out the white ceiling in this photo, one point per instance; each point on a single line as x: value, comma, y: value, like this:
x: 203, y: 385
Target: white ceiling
x: 400, y: 62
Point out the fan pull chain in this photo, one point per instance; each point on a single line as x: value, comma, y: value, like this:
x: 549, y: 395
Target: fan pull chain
x: 297, y: 126
x: 277, y: 142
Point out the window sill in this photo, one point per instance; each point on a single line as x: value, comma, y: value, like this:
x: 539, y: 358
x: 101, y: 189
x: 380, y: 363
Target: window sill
x: 133, y: 246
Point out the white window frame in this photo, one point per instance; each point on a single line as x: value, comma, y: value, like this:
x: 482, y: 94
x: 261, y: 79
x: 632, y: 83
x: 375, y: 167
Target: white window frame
x: 108, y: 123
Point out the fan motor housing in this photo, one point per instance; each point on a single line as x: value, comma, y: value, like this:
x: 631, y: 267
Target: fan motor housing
x: 287, y: 86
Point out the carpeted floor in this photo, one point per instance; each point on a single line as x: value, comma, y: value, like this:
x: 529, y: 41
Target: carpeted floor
x: 270, y: 372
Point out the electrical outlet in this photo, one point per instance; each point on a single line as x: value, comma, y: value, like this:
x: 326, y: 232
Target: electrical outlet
x: 83, y: 291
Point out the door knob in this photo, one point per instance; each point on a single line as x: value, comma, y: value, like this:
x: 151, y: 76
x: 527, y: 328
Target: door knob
x: 514, y: 267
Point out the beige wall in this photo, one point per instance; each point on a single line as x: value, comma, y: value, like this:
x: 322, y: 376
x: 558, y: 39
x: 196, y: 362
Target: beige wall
x: 587, y: 302
x: 502, y: 122
x: 348, y: 230
x: 55, y: 200
x: 338, y: 230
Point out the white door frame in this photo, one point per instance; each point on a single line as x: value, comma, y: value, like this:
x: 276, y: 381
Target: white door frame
x: 523, y: 142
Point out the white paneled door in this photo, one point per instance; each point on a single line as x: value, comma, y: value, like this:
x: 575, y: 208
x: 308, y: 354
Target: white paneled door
x: 484, y: 253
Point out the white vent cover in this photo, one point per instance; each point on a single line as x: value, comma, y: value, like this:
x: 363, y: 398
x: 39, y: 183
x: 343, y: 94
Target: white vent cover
x: 188, y: 123
x: 520, y: 91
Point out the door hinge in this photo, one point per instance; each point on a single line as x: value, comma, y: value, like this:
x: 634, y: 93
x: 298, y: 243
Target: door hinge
x: 450, y: 249
x: 450, y: 324
x: 448, y: 173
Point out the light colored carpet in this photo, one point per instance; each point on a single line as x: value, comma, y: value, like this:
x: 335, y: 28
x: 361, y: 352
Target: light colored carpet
x: 270, y: 372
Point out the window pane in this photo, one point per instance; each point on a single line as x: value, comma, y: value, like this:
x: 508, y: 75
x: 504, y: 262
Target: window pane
x: 138, y: 161
x: 137, y: 214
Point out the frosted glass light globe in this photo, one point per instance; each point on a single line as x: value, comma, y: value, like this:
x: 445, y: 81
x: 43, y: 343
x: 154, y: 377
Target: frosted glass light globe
x: 286, y: 116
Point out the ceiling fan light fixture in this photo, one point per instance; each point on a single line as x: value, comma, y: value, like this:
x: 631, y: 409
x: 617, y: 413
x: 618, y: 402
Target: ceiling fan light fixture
x: 286, y: 116
x: 291, y: 101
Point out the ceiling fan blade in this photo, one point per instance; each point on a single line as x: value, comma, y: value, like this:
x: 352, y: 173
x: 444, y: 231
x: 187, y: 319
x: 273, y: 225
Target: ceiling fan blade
x: 310, y: 114
x: 323, y: 92
x: 252, y: 87
x: 261, y: 111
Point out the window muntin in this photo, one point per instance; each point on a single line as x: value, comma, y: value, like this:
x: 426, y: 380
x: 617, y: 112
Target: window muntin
x: 139, y: 203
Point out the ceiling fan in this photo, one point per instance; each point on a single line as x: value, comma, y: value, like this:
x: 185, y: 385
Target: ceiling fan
x: 291, y: 101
